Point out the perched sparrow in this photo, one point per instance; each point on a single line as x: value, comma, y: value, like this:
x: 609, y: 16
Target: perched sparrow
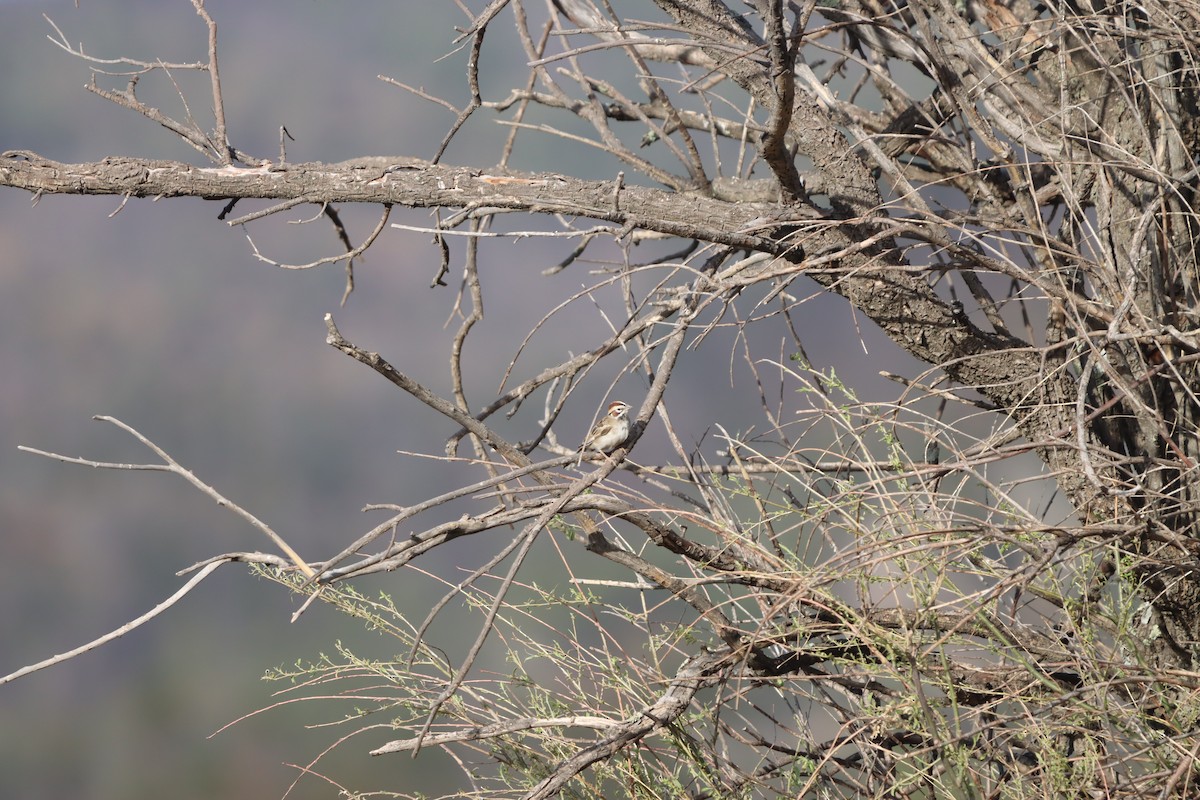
x: 611, y: 430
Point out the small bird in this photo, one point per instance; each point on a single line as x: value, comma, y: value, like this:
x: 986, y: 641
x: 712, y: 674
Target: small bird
x: 610, y: 431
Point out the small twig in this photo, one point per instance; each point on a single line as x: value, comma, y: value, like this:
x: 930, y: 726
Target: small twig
x: 478, y: 234
x: 171, y: 465
x: 121, y: 631
x: 221, y: 145
x: 266, y: 212
x: 284, y: 132
x: 350, y: 254
x: 475, y: 733
x: 141, y: 67
x: 473, y: 83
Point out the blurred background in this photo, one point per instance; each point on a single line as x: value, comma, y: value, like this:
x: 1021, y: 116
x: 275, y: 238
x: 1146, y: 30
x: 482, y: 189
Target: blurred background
x: 158, y: 314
